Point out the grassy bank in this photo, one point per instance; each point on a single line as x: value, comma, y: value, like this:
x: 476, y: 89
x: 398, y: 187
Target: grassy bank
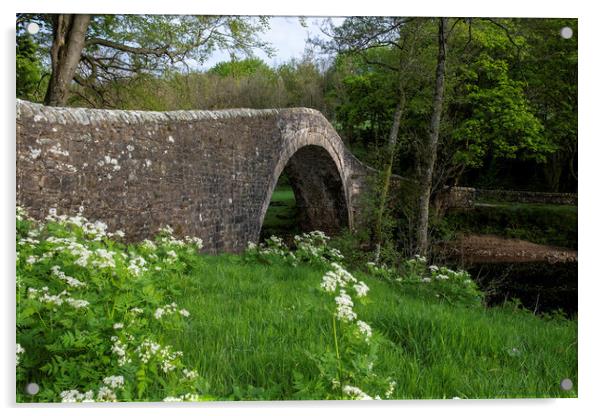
x: 258, y: 325
x: 101, y: 320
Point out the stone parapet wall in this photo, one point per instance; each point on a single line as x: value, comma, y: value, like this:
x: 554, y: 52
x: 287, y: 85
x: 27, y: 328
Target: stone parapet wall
x: 526, y: 196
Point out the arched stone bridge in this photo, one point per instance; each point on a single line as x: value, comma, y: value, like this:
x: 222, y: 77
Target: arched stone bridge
x: 208, y: 174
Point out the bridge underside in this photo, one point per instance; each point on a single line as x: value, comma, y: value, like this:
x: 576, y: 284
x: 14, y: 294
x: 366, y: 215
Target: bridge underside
x: 319, y: 190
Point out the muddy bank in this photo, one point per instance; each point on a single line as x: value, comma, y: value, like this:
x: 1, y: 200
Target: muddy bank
x: 472, y: 248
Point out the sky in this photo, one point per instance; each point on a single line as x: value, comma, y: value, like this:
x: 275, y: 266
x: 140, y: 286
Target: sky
x: 286, y: 36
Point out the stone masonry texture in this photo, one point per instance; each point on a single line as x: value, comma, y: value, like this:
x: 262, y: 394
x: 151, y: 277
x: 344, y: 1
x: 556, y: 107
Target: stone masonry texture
x: 208, y: 174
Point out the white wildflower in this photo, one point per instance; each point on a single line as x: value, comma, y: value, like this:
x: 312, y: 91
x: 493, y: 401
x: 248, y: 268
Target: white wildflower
x: 77, y: 303
x: 190, y: 374
x: 88, y: 397
x: 105, y: 394
x: 172, y: 399
x: 329, y: 282
x: 119, y: 349
x: 114, y: 382
x: 345, y: 307
x: 71, y: 396
x: 390, y: 389
x: 20, y: 350
x: 364, y: 329
x: 361, y: 289
x: 159, y: 313
x: 118, y: 325
x: 355, y: 393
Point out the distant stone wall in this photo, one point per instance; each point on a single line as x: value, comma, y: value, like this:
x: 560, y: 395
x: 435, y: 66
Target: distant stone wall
x: 208, y: 174
x: 526, y: 196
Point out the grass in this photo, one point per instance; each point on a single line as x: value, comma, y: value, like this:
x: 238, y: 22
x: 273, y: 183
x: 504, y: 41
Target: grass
x: 255, y: 325
x: 281, y: 216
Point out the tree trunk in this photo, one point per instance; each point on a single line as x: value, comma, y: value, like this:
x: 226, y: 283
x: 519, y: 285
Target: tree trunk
x: 390, y: 156
x: 430, y: 149
x: 69, y: 39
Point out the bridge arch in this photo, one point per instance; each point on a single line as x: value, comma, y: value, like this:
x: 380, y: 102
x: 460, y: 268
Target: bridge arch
x: 317, y: 176
x: 208, y: 174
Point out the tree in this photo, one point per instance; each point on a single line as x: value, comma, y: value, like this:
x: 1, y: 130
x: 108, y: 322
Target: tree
x: 430, y: 151
x: 498, y: 101
x: 29, y: 68
x: 549, y: 70
x: 242, y: 68
x: 357, y: 35
x: 95, y: 49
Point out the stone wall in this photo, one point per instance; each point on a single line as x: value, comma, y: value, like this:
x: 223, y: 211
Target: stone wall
x: 208, y: 174
x: 526, y: 196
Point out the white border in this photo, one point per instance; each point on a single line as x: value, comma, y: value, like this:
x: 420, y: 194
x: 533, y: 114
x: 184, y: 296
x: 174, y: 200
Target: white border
x: 590, y: 370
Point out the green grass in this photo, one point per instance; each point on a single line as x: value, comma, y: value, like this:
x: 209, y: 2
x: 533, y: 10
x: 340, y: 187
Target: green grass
x: 540, y: 223
x: 281, y: 216
x: 257, y: 324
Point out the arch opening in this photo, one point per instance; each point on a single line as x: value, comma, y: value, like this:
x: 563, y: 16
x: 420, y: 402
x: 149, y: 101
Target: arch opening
x: 310, y: 195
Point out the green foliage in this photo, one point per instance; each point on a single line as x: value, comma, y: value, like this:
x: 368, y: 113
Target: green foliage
x: 120, y: 47
x: 364, y: 97
x: 242, y: 68
x: 29, y: 68
x: 498, y: 120
x: 304, y: 84
x: 434, y: 282
x: 93, y: 314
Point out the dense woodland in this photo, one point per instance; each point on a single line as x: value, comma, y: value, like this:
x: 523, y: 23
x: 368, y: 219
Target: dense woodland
x: 489, y: 103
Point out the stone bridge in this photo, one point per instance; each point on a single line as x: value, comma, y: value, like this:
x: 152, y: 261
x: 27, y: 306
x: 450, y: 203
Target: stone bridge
x: 208, y: 174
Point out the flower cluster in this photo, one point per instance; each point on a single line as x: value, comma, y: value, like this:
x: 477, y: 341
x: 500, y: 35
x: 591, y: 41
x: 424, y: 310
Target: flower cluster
x: 355, y: 393
x: 338, y: 279
x: 167, y: 238
x: 42, y: 295
x: 170, y: 310
x: 438, y: 281
x: 149, y: 350
x: 309, y: 247
x: 313, y: 246
x: 188, y: 397
x: 71, y: 281
x: 106, y: 393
